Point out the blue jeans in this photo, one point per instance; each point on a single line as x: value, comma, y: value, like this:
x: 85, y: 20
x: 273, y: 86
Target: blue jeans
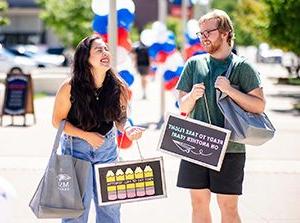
x: 106, y: 153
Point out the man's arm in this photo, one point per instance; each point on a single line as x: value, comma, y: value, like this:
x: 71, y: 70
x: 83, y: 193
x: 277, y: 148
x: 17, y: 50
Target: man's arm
x: 253, y: 101
x: 187, y: 101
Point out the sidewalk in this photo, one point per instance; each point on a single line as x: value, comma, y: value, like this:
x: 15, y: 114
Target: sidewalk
x: 272, y: 179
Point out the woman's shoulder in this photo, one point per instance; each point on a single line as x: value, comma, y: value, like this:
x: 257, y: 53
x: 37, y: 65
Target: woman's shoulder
x: 65, y: 87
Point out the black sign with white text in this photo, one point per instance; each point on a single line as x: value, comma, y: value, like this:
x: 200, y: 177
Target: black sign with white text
x: 194, y: 141
x: 129, y: 181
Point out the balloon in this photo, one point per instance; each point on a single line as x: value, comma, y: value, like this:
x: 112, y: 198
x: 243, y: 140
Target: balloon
x: 171, y: 84
x: 161, y: 57
x: 190, y: 51
x: 125, y: 18
x: 123, y: 141
x: 126, y: 76
x: 192, y: 27
x: 126, y: 4
x: 168, y: 75
x: 159, y: 27
x: 190, y: 40
x: 100, y: 7
x: 100, y: 24
x: 147, y: 37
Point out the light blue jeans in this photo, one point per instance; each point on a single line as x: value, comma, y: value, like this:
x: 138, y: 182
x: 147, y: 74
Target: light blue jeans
x: 106, y: 153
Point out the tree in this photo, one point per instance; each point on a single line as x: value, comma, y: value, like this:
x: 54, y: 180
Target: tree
x: 248, y: 17
x: 70, y: 20
x: 251, y: 22
x: 3, y: 7
x: 283, y: 29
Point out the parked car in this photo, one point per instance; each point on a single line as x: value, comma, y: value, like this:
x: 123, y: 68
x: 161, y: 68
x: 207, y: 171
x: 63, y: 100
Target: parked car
x: 8, y: 61
x: 40, y: 55
x: 267, y: 55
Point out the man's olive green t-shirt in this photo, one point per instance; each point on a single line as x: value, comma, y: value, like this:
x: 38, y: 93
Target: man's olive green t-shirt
x: 205, y: 69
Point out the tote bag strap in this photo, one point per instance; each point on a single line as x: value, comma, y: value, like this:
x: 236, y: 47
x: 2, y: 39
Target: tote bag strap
x: 58, y: 134
x: 228, y: 72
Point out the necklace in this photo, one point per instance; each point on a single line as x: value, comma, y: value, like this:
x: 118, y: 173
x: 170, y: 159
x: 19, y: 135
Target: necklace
x: 97, y: 93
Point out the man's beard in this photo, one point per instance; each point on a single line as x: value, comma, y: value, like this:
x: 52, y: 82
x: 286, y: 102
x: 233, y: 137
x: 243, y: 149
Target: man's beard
x: 213, y: 47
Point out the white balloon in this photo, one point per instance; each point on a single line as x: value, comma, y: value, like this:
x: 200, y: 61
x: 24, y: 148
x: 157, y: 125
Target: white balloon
x: 174, y: 61
x: 192, y: 28
x: 162, y: 37
x: 148, y: 37
x: 126, y: 4
x: 100, y: 7
x: 158, y: 26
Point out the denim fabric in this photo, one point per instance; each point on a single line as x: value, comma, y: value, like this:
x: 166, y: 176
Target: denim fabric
x: 106, y: 153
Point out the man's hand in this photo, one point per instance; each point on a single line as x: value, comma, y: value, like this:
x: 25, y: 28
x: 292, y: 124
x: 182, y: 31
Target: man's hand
x: 134, y: 132
x: 223, y: 84
x: 197, y: 91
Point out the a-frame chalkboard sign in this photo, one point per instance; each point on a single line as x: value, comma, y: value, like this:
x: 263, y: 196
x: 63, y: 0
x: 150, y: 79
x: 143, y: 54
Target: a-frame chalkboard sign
x: 18, y: 98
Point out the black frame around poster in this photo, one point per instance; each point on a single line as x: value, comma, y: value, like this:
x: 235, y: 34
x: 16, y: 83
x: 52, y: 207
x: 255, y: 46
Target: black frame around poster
x: 129, y: 181
x: 195, y: 141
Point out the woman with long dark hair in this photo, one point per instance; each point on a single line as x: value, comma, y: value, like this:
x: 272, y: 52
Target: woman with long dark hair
x: 93, y: 102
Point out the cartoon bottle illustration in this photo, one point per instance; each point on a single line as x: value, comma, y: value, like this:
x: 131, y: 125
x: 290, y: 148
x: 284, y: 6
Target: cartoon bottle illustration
x: 130, y: 186
x: 140, y: 182
x: 149, y: 180
x: 111, y: 185
x: 121, y: 189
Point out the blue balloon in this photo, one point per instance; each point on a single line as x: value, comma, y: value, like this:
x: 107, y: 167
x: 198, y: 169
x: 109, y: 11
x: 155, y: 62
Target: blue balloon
x: 154, y: 49
x: 127, y: 77
x: 169, y: 75
x: 125, y: 18
x: 178, y: 2
x: 168, y: 47
x: 190, y: 40
x: 100, y: 24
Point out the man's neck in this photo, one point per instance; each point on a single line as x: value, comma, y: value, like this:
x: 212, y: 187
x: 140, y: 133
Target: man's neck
x: 222, y: 53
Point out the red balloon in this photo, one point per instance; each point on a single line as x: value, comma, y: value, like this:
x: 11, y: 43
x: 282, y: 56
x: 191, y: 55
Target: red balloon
x: 171, y: 84
x: 189, y: 51
x: 123, y: 141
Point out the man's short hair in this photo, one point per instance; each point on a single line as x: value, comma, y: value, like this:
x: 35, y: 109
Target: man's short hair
x: 224, y: 23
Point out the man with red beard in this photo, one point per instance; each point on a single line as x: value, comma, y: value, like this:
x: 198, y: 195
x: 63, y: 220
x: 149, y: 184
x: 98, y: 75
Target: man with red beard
x: 202, y: 75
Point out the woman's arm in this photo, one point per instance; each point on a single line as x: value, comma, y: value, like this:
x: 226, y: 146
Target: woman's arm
x: 61, y: 109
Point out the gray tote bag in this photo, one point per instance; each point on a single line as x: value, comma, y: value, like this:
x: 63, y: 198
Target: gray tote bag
x: 246, y: 127
x: 60, y: 191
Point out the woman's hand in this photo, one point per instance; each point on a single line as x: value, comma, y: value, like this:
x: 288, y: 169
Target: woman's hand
x: 134, y: 132
x: 95, y: 139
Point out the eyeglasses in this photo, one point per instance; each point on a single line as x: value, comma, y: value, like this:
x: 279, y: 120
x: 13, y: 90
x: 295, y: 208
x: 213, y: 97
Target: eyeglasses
x: 205, y: 33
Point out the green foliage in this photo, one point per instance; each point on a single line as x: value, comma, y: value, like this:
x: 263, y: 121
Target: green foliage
x: 175, y: 25
x: 3, y: 8
x: 70, y: 20
x: 248, y: 17
x: 229, y: 6
x: 284, y: 29
x: 134, y: 34
x: 251, y: 22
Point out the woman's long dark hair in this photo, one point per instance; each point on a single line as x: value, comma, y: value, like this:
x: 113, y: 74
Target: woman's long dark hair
x: 83, y: 87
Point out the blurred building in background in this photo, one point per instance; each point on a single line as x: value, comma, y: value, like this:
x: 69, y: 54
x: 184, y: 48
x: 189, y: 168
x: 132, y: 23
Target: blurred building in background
x: 25, y: 25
